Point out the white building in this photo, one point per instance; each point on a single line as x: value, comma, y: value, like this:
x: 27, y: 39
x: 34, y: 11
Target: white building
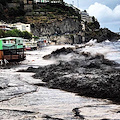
x: 21, y: 26
x: 85, y: 16
x: 4, y: 27
x: 48, y: 1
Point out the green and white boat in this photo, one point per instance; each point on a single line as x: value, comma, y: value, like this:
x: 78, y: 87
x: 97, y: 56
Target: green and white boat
x: 12, y: 49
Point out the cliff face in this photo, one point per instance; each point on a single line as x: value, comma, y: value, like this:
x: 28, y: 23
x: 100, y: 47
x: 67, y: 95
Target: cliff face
x: 93, y: 31
x: 57, y: 28
x: 102, y: 35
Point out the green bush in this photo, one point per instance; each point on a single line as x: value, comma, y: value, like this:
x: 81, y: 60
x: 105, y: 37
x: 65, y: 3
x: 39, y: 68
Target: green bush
x: 18, y: 33
x: 2, y: 33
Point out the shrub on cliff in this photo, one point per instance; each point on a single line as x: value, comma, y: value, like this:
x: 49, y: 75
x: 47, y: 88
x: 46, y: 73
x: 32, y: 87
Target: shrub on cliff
x: 2, y: 33
x: 18, y: 33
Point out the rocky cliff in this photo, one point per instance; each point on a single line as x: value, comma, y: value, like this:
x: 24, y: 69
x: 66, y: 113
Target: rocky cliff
x: 66, y: 26
x: 93, y: 31
x: 56, y: 20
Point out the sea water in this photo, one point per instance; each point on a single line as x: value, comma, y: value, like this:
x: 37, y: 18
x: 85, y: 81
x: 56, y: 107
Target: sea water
x: 110, y: 50
x: 53, y: 102
x: 114, y: 53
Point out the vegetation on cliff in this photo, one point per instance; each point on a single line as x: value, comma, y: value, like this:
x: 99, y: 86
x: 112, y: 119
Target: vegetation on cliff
x: 42, y: 14
x: 15, y: 33
x: 51, y: 13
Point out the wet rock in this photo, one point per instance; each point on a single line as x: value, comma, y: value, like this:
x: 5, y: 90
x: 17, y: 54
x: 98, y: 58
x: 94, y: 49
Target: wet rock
x: 40, y: 84
x: 30, y: 69
x: 50, y: 118
x: 93, y: 64
x: 76, y: 112
x: 105, y: 119
x: 62, y: 51
x: 118, y: 111
x: 86, y: 75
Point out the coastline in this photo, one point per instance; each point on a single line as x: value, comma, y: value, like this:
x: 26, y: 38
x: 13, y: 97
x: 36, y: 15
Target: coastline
x: 84, y: 75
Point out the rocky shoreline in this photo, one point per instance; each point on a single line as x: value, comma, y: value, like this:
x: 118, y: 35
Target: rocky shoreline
x: 86, y: 75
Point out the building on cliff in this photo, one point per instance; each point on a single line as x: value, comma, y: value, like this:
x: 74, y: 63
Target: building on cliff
x: 48, y: 1
x: 4, y: 26
x: 19, y: 26
x: 85, y: 16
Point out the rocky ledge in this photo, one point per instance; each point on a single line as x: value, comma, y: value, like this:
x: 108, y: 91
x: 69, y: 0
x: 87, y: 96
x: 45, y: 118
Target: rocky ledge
x: 84, y: 74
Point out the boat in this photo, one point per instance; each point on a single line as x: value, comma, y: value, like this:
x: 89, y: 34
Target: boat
x: 30, y: 45
x: 11, y: 49
x: 43, y: 41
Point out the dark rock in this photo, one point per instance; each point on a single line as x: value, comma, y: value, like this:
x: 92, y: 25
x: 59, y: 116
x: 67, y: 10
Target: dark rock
x: 40, y: 84
x: 118, y: 111
x: 62, y: 51
x: 50, y: 118
x: 30, y: 69
x: 101, y: 35
x: 76, y: 112
x: 85, y: 75
x: 105, y: 119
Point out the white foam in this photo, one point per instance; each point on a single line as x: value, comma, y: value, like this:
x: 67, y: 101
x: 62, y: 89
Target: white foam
x: 108, y: 50
x: 35, y: 57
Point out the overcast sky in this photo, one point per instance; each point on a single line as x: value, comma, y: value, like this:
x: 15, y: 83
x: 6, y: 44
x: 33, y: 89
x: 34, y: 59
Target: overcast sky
x: 106, y: 11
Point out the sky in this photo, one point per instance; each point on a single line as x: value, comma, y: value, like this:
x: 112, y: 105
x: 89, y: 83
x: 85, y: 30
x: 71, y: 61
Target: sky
x: 107, y: 12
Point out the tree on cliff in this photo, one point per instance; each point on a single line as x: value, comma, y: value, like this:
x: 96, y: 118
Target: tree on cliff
x: 2, y: 33
x: 18, y: 33
x: 27, y: 35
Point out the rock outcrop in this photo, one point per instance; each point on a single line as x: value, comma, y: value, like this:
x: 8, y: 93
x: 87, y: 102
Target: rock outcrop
x: 85, y: 75
x: 57, y: 28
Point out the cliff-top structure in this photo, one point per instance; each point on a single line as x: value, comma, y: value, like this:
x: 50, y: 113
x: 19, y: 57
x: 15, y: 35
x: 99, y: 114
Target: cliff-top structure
x: 48, y: 1
x: 40, y: 1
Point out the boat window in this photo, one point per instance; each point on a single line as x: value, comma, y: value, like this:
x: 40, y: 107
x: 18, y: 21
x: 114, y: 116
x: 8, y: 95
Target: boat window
x: 4, y: 41
x: 6, y: 52
x: 10, y: 52
x: 14, y: 52
x: 18, y: 41
x: 12, y: 41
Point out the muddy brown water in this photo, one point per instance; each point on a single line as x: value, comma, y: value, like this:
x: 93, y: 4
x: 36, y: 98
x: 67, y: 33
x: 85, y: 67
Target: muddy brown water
x: 23, y: 100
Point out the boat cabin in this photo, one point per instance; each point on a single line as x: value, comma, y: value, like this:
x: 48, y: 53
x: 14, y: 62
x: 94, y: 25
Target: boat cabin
x: 12, y: 49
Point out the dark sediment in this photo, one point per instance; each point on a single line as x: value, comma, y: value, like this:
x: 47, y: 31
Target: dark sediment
x: 50, y: 118
x: 85, y: 75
